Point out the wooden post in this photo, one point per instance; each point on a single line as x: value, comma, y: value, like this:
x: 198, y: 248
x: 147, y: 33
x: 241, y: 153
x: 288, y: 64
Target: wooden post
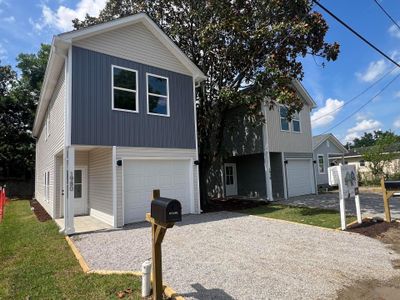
x: 158, y: 233
x: 386, y: 201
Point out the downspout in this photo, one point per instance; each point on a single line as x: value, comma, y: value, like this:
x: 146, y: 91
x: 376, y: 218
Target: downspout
x: 267, y: 160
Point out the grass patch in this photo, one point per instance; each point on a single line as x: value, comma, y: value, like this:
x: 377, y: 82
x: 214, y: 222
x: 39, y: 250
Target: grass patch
x: 305, y: 215
x: 37, y: 263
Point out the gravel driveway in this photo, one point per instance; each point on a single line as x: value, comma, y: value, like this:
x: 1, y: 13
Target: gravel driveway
x: 233, y: 256
x: 371, y: 203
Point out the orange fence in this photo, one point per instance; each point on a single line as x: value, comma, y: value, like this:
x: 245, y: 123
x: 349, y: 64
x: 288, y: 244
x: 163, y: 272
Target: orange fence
x: 3, y: 200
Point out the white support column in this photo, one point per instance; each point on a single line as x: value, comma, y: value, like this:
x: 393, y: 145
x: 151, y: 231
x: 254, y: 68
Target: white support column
x: 114, y: 185
x: 69, y: 190
x: 267, y: 161
x: 342, y: 213
x: 358, y: 208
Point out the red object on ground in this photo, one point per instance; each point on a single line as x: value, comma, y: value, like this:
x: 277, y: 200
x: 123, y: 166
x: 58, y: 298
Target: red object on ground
x: 3, y: 200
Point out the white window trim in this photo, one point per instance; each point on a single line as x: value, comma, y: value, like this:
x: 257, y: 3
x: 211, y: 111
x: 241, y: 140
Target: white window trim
x: 296, y: 119
x: 124, y: 89
x: 152, y: 94
x: 323, y: 161
x: 280, y: 120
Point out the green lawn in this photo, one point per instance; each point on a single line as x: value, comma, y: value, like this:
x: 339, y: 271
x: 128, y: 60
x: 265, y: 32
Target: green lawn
x: 312, y: 216
x: 37, y: 263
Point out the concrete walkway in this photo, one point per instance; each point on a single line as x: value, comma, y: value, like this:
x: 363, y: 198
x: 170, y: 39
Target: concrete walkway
x: 229, y: 255
x: 371, y: 203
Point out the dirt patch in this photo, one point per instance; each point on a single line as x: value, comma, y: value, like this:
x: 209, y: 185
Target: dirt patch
x: 232, y: 204
x: 40, y: 213
x: 388, y: 233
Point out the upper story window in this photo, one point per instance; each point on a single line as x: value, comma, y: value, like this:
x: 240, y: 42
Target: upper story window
x: 124, y: 89
x: 296, y: 122
x: 321, y: 164
x: 284, y: 121
x: 157, y: 95
x: 294, y: 125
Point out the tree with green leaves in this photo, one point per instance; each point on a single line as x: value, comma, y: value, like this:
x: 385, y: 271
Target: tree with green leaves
x: 249, y: 50
x: 381, y: 154
x: 18, y: 101
x: 370, y: 138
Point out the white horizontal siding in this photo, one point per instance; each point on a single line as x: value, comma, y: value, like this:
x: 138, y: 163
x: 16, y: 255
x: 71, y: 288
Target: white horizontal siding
x: 132, y: 152
x: 136, y: 43
x: 47, y: 149
x: 100, y: 183
x: 281, y: 141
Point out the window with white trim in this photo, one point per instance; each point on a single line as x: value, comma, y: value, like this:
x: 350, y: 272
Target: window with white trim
x: 124, y: 89
x: 296, y: 122
x: 321, y: 164
x: 284, y: 121
x: 47, y: 186
x: 157, y: 95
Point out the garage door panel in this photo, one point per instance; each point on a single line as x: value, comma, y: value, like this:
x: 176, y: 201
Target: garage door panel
x: 141, y: 177
x: 300, y: 178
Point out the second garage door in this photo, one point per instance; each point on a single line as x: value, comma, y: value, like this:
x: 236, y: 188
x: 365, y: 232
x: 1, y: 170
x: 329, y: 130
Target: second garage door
x: 300, y: 177
x: 141, y: 177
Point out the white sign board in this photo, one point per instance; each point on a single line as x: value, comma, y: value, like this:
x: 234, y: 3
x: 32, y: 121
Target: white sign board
x: 346, y: 178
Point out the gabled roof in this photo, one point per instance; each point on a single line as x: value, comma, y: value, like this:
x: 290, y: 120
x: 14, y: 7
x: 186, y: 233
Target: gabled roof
x: 319, y: 139
x: 61, y: 43
x: 304, y: 94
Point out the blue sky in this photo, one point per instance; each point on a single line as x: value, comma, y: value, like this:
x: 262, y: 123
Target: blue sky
x: 26, y: 24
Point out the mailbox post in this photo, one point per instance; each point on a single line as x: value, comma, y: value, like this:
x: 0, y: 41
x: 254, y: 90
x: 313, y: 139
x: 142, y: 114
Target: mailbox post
x: 164, y: 213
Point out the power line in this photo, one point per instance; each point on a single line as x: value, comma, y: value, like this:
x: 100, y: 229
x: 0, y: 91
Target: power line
x: 357, y: 96
x: 387, y: 14
x: 356, y: 33
x: 362, y: 106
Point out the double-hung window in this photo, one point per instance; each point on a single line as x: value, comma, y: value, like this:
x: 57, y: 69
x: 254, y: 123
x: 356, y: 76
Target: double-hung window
x: 284, y: 121
x: 296, y: 122
x: 157, y: 95
x: 321, y: 164
x: 124, y: 89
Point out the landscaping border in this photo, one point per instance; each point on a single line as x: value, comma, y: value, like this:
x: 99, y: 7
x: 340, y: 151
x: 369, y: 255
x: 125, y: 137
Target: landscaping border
x: 168, y: 291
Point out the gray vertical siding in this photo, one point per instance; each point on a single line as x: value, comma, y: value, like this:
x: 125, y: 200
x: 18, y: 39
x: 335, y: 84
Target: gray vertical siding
x: 278, y: 190
x: 95, y: 123
x: 251, y: 175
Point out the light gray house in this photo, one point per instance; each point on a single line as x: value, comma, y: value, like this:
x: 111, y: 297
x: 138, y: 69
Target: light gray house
x: 116, y: 119
x: 271, y: 161
x: 327, y: 148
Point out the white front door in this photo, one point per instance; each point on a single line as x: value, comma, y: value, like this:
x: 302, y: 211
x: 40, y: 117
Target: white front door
x: 230, y: 179
x: 80, y: 192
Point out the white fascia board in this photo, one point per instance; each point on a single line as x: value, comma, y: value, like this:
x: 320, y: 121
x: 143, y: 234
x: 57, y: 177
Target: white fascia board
x: 58, y: 51
x: 303, y: 92
x: 84, y: 33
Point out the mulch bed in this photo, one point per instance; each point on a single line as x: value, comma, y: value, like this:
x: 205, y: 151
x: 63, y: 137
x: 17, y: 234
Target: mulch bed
x: 40, y: 213
x: 232, y: 204
x: 373, y: 227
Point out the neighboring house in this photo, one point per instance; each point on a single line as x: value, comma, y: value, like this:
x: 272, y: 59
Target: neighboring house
x: 327, y: 151
x: 362, y: 166
x: 270, y: 161
x: 116, y: 119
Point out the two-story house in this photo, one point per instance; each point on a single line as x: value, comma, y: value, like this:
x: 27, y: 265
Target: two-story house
x: 116, y: 119
x: 273, y: 160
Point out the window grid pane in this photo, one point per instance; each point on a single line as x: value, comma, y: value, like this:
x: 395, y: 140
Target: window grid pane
x: 125, y: 100
x: 158, y: 105
x: 124, y: 79
x: 157, y: 85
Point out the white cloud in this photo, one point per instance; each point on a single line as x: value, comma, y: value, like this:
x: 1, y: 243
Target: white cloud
x: 62, y: 17
x: 394, y: 31
x: 374, y: 70
x: 363, y: 125
x: 10, y: 19
x: 3, y: 52
x: 397, y: 94
x: 396, y: 123
x: 327, y: 113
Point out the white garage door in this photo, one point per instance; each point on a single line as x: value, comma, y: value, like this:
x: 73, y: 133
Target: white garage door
x: 141, y: 177
x: 300, y: 178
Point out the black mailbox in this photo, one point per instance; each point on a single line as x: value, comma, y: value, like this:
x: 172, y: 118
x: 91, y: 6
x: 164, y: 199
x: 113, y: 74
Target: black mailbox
x: 166, y: 210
